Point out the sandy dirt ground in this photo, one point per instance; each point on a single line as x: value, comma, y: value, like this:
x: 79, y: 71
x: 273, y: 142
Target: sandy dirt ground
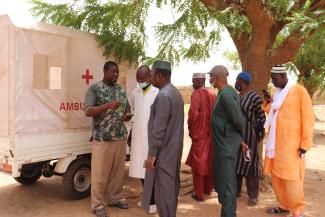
x: 46, y: 197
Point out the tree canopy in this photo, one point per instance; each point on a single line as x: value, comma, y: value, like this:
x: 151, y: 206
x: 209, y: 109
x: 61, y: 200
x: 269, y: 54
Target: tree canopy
x: 265, y: 32
x: 308, y: 65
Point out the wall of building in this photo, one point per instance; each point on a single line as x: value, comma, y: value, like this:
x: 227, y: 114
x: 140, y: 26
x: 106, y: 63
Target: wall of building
x: 186, y: 92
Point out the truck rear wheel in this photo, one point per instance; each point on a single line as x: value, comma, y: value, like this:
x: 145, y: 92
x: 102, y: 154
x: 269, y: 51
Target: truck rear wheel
x: 29, y: 175
x: 77, y: 179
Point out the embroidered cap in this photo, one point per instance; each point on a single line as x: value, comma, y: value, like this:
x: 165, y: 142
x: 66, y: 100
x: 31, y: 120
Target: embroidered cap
x: 278, y: 69
x: 198, y: 75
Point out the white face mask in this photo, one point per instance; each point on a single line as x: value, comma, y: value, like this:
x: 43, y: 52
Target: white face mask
x: 143, y: 84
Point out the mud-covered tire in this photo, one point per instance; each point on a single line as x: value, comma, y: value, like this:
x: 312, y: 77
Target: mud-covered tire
x: 29, y: 175
x: 77, y: 179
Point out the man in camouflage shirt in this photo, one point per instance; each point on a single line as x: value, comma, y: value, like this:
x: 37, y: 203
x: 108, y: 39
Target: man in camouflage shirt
x: 107, y: 103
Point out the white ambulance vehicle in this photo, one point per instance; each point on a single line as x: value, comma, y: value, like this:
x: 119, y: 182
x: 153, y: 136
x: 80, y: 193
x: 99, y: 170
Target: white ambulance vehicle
x: 45, y: 71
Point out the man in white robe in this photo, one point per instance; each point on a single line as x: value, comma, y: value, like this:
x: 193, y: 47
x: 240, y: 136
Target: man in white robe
x: 142, y: 98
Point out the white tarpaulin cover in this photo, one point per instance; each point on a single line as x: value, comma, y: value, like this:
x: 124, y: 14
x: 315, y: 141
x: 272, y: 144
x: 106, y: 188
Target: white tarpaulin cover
x: 45, y: 71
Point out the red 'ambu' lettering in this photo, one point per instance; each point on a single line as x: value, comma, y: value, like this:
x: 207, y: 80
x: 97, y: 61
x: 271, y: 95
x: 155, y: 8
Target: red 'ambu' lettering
x: 71, y: 106
x: 62, y: 106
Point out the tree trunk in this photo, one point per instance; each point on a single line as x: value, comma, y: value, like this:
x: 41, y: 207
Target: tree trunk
x: 260, y: 71
x: 255, y: 61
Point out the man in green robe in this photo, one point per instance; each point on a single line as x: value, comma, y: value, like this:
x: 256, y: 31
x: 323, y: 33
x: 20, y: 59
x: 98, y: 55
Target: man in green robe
x: 227, y: 129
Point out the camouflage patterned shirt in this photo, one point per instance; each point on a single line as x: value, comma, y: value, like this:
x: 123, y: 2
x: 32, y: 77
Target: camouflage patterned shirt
x: 109, y: 125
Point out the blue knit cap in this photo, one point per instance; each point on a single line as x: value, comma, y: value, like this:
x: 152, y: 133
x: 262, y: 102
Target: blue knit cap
x: 246, y: 76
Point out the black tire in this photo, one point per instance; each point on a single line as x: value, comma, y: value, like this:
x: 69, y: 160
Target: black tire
x: 29, y: 175
x: 77, y: 179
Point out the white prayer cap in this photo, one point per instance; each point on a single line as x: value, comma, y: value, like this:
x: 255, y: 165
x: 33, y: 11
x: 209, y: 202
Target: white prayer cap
x: 198, y: 75
x: 278, y: 69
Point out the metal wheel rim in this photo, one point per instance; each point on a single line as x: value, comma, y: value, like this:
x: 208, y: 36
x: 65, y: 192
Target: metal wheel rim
x: 81, y: 180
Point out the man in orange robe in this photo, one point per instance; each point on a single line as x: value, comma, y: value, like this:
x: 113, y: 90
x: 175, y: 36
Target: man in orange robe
x: 200, y: 156
x: 290, y: 125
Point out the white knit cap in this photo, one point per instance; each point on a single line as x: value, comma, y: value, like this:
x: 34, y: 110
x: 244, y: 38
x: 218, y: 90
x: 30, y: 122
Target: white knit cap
x: 278, y: 69
x: 198, y: 75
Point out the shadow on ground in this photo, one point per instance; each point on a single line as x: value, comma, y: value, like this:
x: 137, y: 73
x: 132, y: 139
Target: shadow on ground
x: 46, y: 198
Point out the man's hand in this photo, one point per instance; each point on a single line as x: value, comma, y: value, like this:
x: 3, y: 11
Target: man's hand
x: 244, y: 146
x: 301, y: 152
x: 113, y: 105
x: 96, y: 110
x: 129, y: 140
x: 127, y: 117
x: 150, y: 163
x: 267, y: 96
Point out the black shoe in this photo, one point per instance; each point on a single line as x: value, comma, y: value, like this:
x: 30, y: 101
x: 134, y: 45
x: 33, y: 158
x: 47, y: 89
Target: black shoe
x: 121, y: 205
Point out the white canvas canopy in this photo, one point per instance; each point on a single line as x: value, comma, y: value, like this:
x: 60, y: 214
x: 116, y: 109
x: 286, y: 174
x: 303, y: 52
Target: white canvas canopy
x: 45, y: 71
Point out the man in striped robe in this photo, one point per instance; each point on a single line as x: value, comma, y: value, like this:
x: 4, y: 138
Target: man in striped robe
x: 247, y: 159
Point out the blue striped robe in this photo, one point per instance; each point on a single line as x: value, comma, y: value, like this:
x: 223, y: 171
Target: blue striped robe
x: 251, y: 105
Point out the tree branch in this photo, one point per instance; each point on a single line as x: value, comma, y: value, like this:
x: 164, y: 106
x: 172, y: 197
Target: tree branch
x: 279, y: 25
x: 257, y: 14
x: 317, y: 5
x: 289, y: 47
x: 241, y: 43
x: 296, y: 6
x: 220, y: 5
x: 274, y: 31
x: 214, y: 5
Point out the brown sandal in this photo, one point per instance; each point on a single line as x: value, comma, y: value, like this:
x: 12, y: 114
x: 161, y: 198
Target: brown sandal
x: 121, y: 205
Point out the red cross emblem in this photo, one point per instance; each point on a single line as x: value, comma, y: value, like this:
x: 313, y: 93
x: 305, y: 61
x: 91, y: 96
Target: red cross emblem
x: 87, y: 76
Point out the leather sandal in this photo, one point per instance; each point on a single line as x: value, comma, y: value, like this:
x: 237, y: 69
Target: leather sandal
x: 121, y: 205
